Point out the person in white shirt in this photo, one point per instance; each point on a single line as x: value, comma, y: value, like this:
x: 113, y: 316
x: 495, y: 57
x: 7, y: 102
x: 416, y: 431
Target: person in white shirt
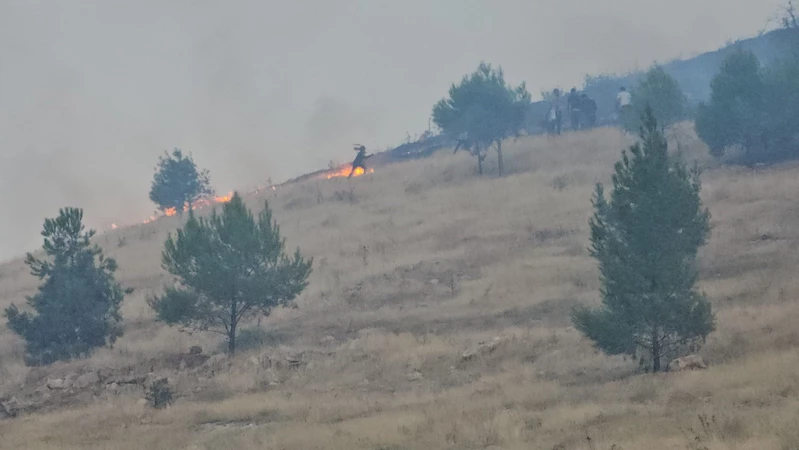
x: 623, y: 100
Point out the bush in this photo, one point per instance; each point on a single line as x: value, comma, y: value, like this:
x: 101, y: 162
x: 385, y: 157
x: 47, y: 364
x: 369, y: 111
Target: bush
x: 159, y: 394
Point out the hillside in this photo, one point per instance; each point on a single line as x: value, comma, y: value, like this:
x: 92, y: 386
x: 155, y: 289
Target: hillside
x: 694, y: 74
x: 414, y: 266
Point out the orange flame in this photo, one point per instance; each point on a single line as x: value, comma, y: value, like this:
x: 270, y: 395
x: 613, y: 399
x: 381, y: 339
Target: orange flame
x: 344, y: 171
x: 201, y: 203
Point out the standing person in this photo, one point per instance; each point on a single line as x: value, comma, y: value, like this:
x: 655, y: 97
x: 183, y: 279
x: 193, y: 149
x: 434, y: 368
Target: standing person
x: 574, y: 106
x: 588, y: 107
x: 360, y: 160
x: 556, y: 112
x: 623, y: 102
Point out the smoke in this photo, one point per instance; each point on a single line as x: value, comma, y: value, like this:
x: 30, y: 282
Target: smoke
x: 92, y: 92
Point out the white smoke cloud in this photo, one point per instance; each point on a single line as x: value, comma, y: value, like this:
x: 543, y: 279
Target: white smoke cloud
x: 91, y: 92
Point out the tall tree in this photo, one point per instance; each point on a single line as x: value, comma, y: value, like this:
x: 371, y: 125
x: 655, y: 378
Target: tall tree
x: 663, y: 94
x: 735, y: 113
x: 76, y: 308
x: 177, y: 182
x: 645, y: 239
x: 228, y: 268
x: 481, y: 111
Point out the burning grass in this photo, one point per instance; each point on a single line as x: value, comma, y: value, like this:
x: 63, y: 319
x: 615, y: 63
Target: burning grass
x: 343, y: 170
x: 429, y: 261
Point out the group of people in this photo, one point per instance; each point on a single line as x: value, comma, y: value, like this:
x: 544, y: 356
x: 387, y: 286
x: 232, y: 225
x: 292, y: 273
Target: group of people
x: 580, y: 109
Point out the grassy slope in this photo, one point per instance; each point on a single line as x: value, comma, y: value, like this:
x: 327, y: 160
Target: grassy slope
x: 426, y: 262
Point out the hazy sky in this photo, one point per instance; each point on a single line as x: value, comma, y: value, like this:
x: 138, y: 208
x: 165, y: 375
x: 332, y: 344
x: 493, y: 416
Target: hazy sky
x: 92, y: 91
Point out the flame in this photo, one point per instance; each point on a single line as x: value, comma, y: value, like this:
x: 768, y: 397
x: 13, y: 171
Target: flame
x: 344, y: 171
x: 201, y: 203
x: 341, y: 171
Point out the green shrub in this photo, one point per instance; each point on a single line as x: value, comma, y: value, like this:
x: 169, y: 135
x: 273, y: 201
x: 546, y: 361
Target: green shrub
x: 159, y: 394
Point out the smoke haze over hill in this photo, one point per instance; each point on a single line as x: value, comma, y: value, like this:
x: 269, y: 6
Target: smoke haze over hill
x: 92, y: 92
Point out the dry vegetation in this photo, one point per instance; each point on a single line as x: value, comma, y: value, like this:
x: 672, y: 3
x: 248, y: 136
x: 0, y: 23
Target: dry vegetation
x: 422, y: 260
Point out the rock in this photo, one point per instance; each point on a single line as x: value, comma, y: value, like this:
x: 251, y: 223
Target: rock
x: 9, y: 408
x: 13, y: 407
x: 104, y: 374
x: 56, y: 383
x: 113, y: 387
x: 142, y: 402
x: 482, y: 348
x: 294, y: 360
x: 327, y: 340
x: 69, y: 380
x: 42, y: 393
x: 414, y: 376
x: 217, y: 361
x: 129, y: 379
x: 271, y: 376
x: 255, y: 361
x: 86, y: 380
x: 434, y: 281
x: 196, y: 350
x: 690, y: 362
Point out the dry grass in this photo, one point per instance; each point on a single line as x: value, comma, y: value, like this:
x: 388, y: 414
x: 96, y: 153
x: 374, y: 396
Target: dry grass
x: 421, y: 260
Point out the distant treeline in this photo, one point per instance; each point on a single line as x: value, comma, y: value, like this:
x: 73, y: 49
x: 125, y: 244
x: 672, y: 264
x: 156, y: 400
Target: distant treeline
x: 693, y: 75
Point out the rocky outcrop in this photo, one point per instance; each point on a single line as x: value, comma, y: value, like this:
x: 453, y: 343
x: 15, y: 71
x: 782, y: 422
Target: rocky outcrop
x: 482, y: 348
x: 690, y: 362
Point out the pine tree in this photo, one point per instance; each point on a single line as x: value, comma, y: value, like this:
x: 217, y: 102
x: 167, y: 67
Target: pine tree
x: 482, y: 111
x: 663, y: 94
x: 177, y: 183
x: 228, y: 268
x: 735, y: 113
x: 77, y: 306
x: 646, y: 238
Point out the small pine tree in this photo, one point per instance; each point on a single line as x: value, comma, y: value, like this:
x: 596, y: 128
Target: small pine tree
x: 663, y: 94
x: 177, y: 182
x: 77, y: 306
x: 645, y: 239
x: 482, y: 111
x: 229, y: 268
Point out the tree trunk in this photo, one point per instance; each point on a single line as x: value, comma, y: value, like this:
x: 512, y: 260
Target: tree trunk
x: 231, y: 341
x: 656, y: 351
x: 500, y: 161
x: 479, y: 164
x: 231, y: 336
